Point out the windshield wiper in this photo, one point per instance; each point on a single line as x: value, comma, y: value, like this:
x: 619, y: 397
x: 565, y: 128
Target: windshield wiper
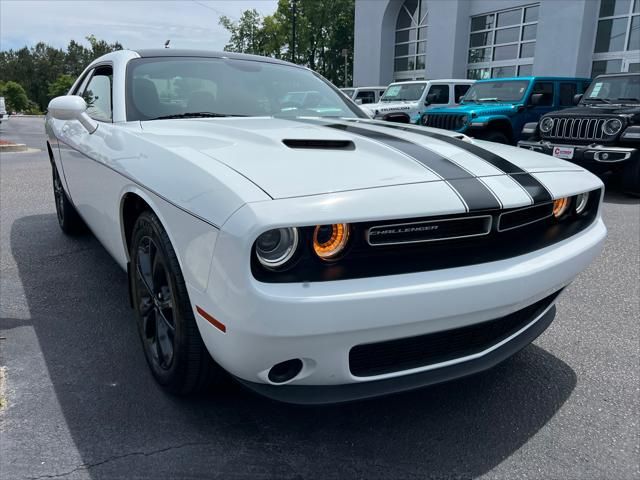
x: 492, y: 99
x: 197, y: 115
x: 630, y: 99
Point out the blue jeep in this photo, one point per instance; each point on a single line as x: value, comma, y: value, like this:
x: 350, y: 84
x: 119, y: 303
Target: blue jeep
x: 497, y: 109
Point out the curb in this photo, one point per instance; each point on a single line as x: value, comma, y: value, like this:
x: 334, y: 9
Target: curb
x: 16, y: 147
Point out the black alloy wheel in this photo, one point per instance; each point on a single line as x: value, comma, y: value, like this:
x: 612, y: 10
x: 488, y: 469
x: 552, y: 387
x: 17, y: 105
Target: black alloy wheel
x: 172, y: 344
x: 68, y: 218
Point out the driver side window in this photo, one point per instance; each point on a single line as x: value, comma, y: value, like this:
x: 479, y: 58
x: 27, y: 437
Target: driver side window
x: 98, y: 94
x: 546, y: 89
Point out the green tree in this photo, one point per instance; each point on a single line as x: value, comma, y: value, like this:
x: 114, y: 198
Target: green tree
x: 38, y: 67
x: 61, y: 86
x: 323, y: 30
x: 15, y: 97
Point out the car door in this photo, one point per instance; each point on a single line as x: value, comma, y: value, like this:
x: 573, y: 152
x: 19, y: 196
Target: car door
x: 438, y: 95
x: 93, y: 185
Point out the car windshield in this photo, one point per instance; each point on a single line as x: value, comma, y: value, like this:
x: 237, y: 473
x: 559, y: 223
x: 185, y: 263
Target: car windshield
x: 403, y: 92
x: 500, y: 91
x: 618, y: 89
x: 183, y: 87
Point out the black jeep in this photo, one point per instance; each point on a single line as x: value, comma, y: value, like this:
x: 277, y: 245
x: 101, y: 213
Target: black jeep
x: 602, y: 133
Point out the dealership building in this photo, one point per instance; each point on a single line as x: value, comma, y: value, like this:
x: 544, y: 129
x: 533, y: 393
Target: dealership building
x: 425, y: 39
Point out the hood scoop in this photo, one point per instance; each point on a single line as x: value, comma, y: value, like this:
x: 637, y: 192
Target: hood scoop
x: 315, y: 144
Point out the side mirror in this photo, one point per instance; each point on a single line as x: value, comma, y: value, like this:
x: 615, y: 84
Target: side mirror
x: 72, y: 107
x: 536, y: 99
x: 576, y: 98
x: 432, y: 97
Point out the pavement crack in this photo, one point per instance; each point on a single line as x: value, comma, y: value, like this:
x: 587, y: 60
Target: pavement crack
x: 87, y: 466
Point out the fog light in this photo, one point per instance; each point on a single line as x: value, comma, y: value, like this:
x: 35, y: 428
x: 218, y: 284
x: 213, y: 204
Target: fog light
x: 285, y: 371
x: 604, y: 156
x: 560, y: 207
x: 581, y: 202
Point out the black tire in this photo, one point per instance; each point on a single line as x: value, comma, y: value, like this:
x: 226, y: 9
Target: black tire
x: 631, y: 177
x: 172, y: 344
x: 494, y: 136
x: 68, y: 218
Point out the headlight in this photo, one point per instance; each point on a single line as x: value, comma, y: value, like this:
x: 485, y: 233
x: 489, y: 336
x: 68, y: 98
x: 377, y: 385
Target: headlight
x: 546, y: 124
x: 612, y: 126
x: 464, y: 120
x: 560, y: 207
x: 329, y: 241
x: 276, y: 247
x: 581, y: 202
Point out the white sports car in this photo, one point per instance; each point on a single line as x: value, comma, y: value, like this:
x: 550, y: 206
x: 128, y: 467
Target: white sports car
x: 314, y: 254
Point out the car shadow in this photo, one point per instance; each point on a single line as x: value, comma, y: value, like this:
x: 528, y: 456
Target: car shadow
x: 124, y: 426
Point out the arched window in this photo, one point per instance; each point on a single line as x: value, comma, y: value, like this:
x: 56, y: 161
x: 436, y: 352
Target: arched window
x: 411, y: 40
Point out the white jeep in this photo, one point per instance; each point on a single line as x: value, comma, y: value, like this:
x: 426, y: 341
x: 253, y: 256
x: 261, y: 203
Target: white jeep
x: 404, y: 101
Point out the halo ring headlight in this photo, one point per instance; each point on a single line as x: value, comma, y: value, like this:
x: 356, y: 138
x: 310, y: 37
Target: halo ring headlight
x: 560, y: 207
x: 546, y: 124
x: 581, y: 202
x: 329, y: 241
x: 274, y: 248
x: 612, y: 126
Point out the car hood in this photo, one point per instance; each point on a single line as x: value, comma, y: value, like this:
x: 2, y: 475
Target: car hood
x: 600, y: 110
x: 292, y: 158
x: 478, y: 110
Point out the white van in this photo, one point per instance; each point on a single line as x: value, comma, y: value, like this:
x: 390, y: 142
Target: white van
x: 405, y: 101
x: 364, y: 95
x: 3, y: 110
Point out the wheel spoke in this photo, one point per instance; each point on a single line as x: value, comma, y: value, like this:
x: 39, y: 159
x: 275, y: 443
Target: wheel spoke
x: 165, y: 320
x: 164, y: 343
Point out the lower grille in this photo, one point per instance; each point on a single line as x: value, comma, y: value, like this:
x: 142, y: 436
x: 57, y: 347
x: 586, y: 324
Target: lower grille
x: 445, y: 121
x: 413, y: 352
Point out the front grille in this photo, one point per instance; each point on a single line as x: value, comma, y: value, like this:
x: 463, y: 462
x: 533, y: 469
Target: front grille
x: 414, y: 352
x: 524, y: 216
x: 578, y: 129
x: 429, y: 231
x: 445, y: 121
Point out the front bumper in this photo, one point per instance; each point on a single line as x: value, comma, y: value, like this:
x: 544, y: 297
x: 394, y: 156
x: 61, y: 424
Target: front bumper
x: 317, y: 395
x: 591, y: 156
x: 320, y: 322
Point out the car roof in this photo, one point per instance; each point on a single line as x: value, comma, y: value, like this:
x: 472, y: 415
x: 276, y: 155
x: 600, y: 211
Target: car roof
x: 443, y: 80
x: 528, y: 79
x: 180, y: 52
x: 619, y: 74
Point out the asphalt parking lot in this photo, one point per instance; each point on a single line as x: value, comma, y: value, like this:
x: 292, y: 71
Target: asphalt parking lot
x: 80, y: 402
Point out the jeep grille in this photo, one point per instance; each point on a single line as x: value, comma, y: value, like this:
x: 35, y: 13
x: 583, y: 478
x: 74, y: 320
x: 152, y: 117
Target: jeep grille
x: 588, y: 129
x: 445, y: 121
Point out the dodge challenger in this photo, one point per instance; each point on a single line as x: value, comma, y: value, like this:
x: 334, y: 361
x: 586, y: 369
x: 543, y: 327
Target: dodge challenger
x: 273, y: 232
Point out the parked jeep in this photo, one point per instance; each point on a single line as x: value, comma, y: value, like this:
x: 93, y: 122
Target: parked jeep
x: 364, y: 95
x: 404, y: 102
x: 497, y: 109
x: 602, y: 133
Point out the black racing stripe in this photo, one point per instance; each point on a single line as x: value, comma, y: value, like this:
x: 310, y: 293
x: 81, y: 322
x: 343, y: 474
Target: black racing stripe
x: 440, y: 165
x: 474, y: 193
x: 476, y: 197
x: 528, y: 182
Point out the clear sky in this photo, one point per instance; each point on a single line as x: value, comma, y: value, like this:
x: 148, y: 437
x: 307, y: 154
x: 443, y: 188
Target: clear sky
x: 135, y: 24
